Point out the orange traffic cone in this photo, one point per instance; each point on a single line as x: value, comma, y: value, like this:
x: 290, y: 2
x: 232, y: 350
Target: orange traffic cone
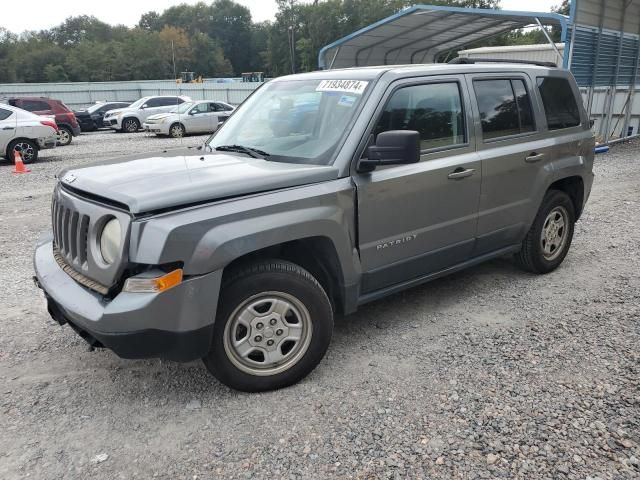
x: 17, y: 158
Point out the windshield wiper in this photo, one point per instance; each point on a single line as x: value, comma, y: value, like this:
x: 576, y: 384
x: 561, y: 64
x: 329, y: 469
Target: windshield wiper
x: 252, y: 152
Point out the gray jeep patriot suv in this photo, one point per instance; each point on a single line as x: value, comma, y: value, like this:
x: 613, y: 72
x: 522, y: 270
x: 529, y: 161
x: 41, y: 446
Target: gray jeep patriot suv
x: 322, y: 192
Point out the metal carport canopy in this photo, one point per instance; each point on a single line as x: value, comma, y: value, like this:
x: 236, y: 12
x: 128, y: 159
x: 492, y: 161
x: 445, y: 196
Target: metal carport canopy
x: 419, y: 34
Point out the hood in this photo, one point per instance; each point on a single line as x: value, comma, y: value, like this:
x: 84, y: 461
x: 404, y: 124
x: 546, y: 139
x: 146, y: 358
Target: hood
x: 116, y: 110
x: 173, y: 178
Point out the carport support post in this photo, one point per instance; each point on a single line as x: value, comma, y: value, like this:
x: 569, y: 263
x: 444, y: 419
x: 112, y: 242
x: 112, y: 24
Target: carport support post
x: 549, y: 39
x: 614, y: 86
x: 632, y: 92
x: 594, y: 71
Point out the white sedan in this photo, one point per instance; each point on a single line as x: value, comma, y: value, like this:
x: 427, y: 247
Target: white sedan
x: 26, y: 132
x: 202, y: 116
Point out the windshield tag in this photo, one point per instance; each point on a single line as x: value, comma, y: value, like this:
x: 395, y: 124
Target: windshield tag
x: 348, y: 86
x: 347, y: 101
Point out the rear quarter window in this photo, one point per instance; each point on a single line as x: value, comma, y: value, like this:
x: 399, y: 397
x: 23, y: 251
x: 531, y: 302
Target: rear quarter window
x: 4, y: 114
x: 559, y: 101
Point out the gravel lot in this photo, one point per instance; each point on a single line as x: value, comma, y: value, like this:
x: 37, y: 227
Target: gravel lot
x: 485, y: 374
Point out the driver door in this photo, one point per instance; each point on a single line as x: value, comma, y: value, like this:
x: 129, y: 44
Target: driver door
x: 418, y: 219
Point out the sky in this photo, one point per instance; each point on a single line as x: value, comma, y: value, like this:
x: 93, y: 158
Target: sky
x: 20, y: 15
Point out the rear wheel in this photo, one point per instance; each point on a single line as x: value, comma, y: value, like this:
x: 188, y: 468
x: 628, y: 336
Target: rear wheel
x: 176, y: 130
x: 130, y: 125
x: 27, y: 148
x: 549, y: 238
x: 273, y: 327
x: 65, y: 135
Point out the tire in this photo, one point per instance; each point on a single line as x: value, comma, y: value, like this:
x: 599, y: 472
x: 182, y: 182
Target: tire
x: 130, y: 125
x: 28, y: 149
x: 65, y: 135
x: 547, y: 243
x: 177, y: 130
x: 281, y: 301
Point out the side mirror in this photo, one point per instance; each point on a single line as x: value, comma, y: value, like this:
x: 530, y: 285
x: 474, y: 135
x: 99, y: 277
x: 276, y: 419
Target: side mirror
x: 395, y: 147
x: 144, y: 106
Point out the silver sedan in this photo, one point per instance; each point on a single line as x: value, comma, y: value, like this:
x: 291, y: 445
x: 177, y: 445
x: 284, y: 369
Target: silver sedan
x: 202, y: 116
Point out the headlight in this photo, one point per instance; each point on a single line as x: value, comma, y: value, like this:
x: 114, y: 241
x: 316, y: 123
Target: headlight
x: 110, y: 239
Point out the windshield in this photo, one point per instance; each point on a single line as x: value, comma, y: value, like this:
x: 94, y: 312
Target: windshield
x: 138, y: 103
x: 183, y: 108
x: 297, y: 121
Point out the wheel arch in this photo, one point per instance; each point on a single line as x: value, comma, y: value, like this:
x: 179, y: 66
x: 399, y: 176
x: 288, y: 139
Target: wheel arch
x: 316, y: 254
x: 574, y: 187
x: 18, y: 139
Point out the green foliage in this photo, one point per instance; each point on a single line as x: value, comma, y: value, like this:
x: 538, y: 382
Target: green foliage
x: 212, y: 39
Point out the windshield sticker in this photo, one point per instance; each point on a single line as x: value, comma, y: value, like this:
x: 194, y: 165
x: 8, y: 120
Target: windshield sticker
x: 347, y: 101
x: 347, y: 86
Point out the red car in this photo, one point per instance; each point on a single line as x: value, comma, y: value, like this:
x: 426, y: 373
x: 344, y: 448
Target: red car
x: 65, y: 119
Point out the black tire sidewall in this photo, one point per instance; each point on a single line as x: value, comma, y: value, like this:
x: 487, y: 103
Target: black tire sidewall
x: 305, y: 290
x: 553, y: 199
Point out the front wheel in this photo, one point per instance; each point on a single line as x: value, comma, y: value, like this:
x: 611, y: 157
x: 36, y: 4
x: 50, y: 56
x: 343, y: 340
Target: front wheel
x: 549, y: 238
x: 273, y: 326
x: 176, y: 130
x: 130, y: 125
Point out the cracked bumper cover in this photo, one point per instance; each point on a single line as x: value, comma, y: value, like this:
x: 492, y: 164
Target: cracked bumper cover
x: 176, y: 324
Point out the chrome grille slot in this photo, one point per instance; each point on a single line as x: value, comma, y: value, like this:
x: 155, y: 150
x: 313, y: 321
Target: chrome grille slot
x: 70, y: 230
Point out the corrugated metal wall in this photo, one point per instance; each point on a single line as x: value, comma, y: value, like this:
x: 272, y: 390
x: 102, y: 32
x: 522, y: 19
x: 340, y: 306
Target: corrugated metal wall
x: 81, y: 94
x: 585, y: 50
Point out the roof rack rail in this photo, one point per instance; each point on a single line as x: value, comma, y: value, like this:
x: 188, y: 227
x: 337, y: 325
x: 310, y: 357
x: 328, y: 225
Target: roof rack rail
x: 470, y: 60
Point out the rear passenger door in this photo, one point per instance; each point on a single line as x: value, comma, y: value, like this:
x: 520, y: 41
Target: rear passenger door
x: 420, y: 218
x: 513, y: 151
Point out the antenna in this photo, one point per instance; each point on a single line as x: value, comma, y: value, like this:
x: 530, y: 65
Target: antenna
x: 173, y: 59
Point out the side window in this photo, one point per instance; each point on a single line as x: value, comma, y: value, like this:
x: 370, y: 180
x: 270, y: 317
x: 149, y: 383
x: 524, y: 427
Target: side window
x: 434, y: 110
x: 4, y: 114
x: 559, y: 102
x: 200, y: 108
x: 216, y: 107
x: 505, y: 107
x: 34, y: 105
x: 153, y: 102
x: 176, y: 101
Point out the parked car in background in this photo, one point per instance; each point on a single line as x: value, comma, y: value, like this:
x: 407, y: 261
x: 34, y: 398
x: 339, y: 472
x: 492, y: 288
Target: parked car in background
x: 26, y: 132
x: 130, y: 119
x: 202, y: 116
x: 65, y: 119
x: 90, y: 118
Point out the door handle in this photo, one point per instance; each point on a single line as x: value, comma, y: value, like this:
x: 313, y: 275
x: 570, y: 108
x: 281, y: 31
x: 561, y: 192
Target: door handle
x: 460, y: 173
x: 7, y: 128
x: 534, y: 157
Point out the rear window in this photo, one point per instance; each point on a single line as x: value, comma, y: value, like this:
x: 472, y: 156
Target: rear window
x: 505, y: 107
x: 34, y: 105
x: 4, y: 114
x: 560, y: 106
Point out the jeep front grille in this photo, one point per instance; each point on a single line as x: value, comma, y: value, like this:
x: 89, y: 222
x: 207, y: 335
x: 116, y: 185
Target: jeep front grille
x: 70, y: 230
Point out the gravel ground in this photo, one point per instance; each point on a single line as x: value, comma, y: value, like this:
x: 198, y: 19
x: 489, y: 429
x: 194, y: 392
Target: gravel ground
x: 489, y: 373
